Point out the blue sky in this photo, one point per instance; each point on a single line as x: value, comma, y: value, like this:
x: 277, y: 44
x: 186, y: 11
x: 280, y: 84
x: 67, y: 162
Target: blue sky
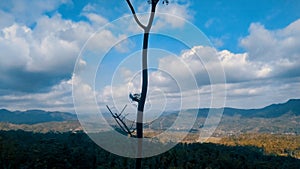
x: 257, y: 42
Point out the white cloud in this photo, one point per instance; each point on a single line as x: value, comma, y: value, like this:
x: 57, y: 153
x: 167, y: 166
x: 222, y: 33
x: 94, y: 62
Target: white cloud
x: 199, y: 63
x: 48, y: 51
x: 42, y: 57
x: 259, y: 93
x: 28, y: 53
x: 238, y: 68
x: 43, y: 45
x: 267, y: 45
x: 278, y: 50
x: 96, y: 19
x: 175, y: 9
x: 58, y: 98
x: 36, y: 59
x: 247, y: 78
x: 175, y: 79
x: 13, y: 46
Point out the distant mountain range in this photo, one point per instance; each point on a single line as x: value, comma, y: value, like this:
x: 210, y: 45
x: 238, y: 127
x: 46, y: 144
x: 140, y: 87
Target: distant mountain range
x: 34, y: 116
x: 276, y: 118
x: 272, y: 111
x: 291, y: 107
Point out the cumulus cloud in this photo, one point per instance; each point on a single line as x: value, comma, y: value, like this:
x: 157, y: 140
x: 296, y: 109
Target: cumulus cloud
x: 177, y: 79
x: 35, y: 59
x: 58, y: 98
x: 201, y: 63
x: 38, y: 53
x: 259, y: 93
x: 238, y: 68
x: 278, y: 49
x: 38, y: 58
x: 269, y: 64
x: 266, y: 45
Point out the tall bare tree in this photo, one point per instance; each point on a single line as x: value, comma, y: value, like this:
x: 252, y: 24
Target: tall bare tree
x: 141, y: 98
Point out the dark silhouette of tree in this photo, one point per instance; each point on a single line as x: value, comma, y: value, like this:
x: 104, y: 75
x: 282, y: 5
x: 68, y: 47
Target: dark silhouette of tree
x: 140, y: 98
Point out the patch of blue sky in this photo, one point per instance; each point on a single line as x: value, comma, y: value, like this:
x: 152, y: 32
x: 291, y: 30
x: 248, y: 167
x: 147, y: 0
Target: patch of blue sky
x: 160, y: 46
x: 229, y: 20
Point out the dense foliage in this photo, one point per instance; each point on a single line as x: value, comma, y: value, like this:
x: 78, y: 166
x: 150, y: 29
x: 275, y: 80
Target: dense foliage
x: 20, y: 149
x: 277, y: 144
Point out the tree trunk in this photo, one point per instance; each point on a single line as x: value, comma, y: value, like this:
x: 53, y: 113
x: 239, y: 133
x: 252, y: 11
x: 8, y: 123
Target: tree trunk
x: 141, y: 103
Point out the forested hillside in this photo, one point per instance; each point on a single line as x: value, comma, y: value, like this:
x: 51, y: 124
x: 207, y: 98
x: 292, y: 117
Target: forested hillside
x: 271, y: 144
x: 27, y: 150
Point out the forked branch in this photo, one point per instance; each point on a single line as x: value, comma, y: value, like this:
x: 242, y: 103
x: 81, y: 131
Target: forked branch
x: 120, y: 119
x: 134, y: 15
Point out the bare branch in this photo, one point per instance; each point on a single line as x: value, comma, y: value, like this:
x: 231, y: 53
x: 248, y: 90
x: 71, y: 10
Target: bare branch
x: 110, y: 111
x: 116, y: 117
x: 120, y: 121
x: 153, y: 8
x: 134, y: 15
